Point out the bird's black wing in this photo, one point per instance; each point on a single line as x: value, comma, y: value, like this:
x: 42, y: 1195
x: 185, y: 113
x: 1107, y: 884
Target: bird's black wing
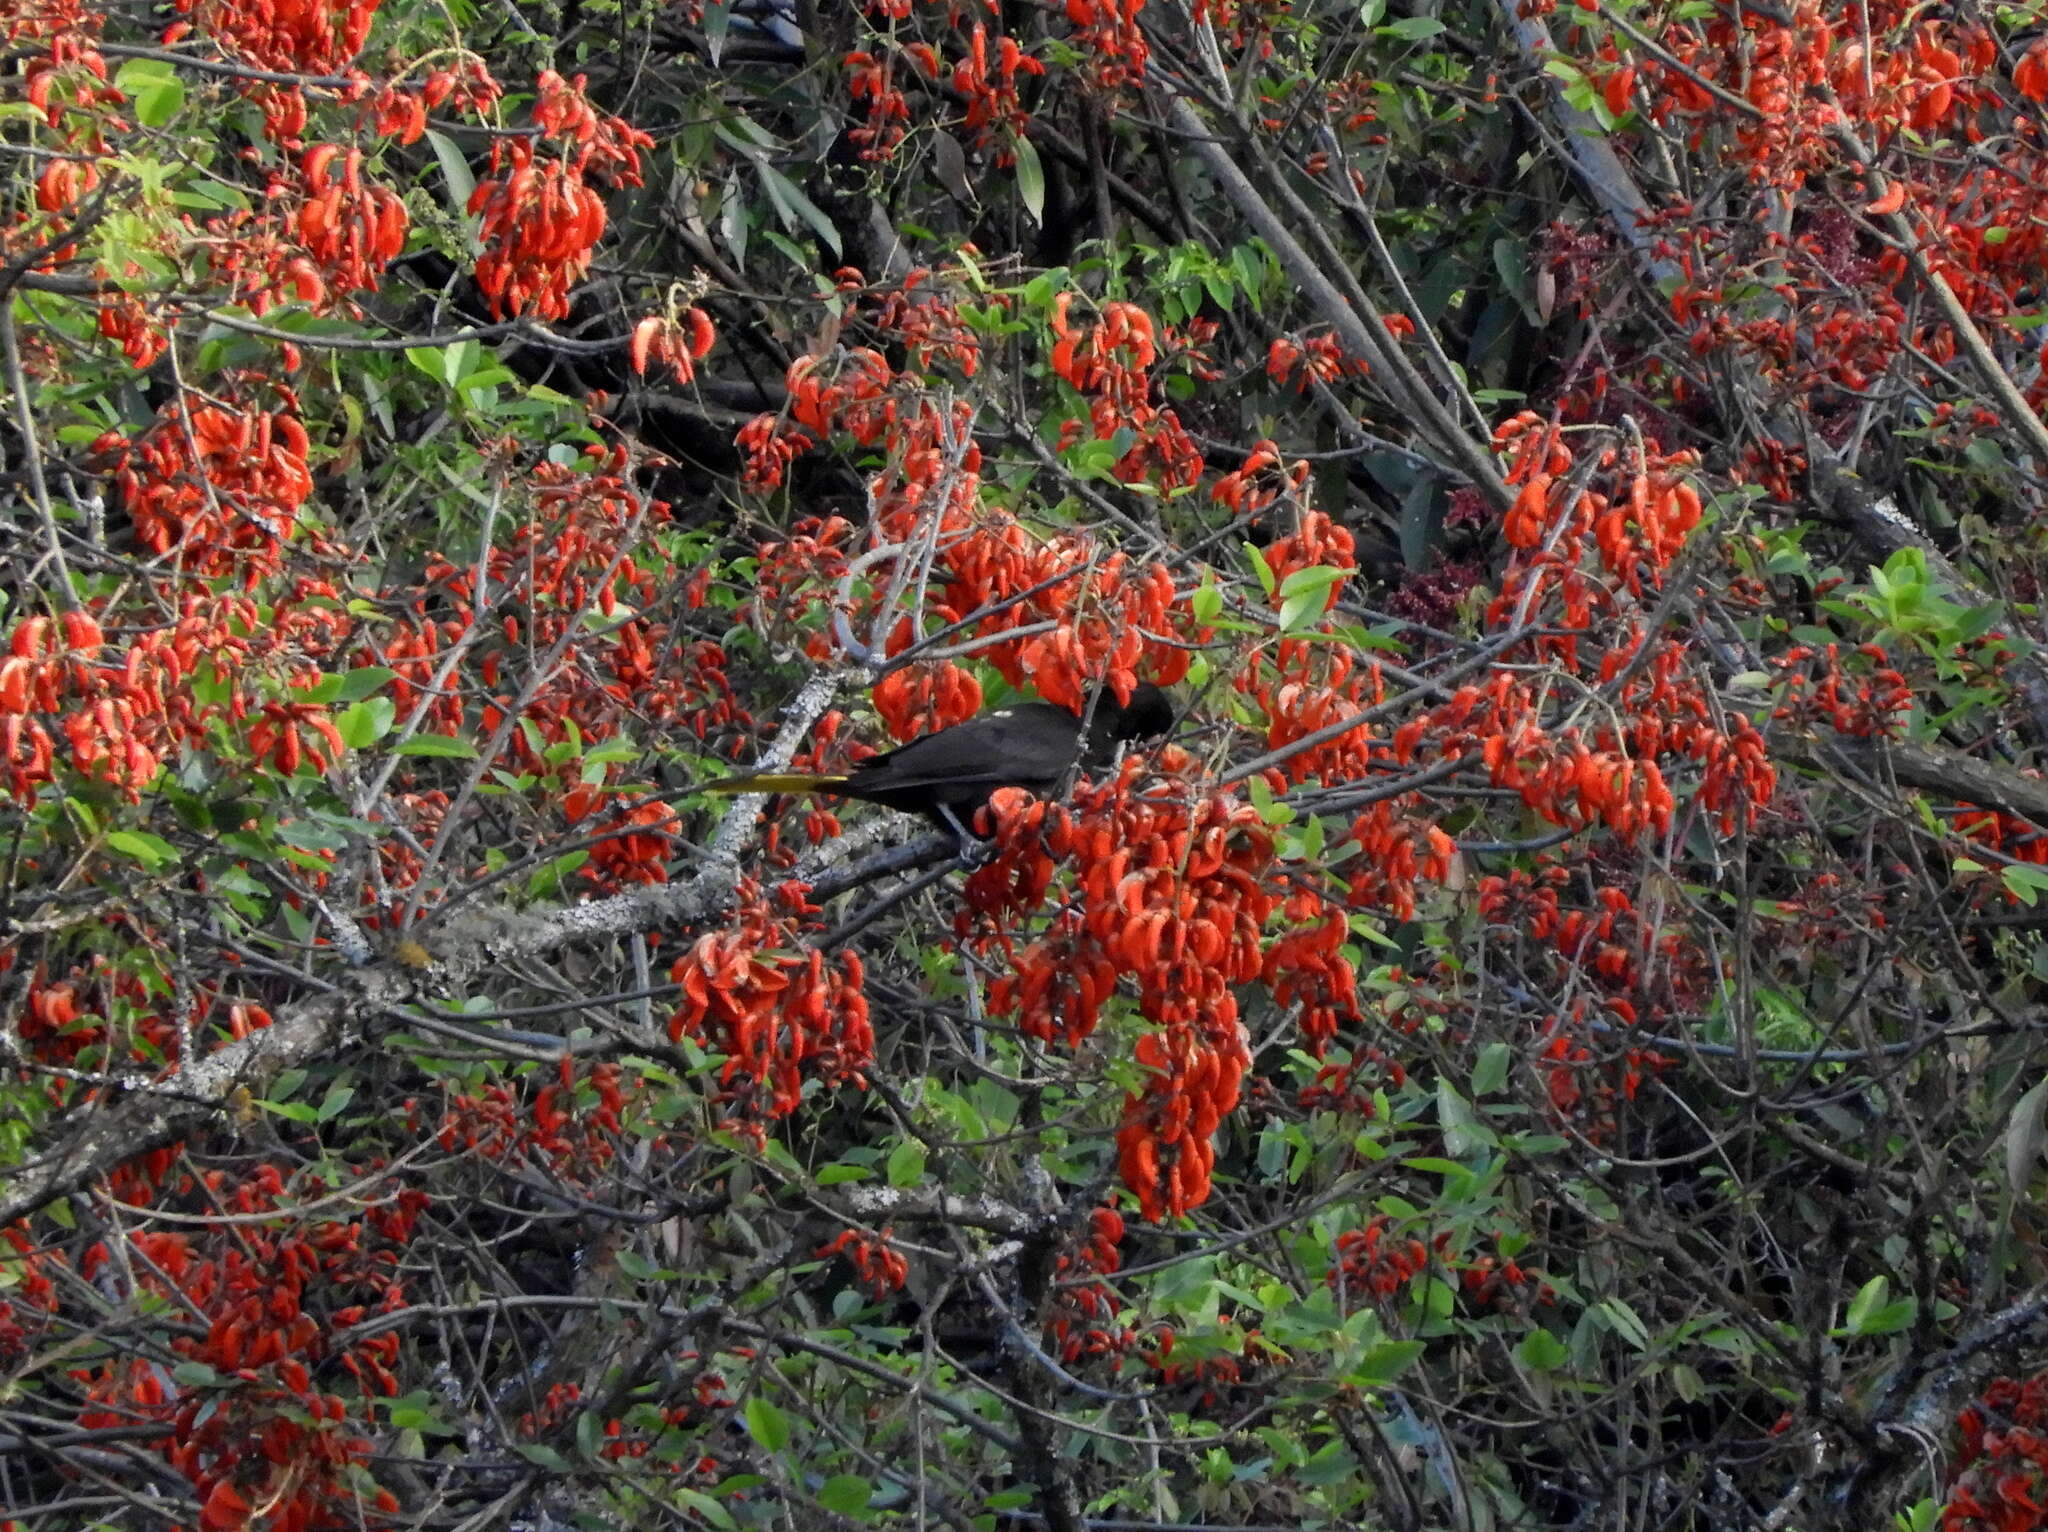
x: 1031, y: 743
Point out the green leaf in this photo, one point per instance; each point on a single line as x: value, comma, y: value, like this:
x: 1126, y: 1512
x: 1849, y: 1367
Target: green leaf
x: 1260, y: 568
x: 361, y: 682
x: 438, y: 745
x: 1463, y: 1132
x: 1868, y: 1300
x: 364, y: 723
x: 194, y: 1375
x: 1317, y: 578
x: 639, y: 1268
x: 767, y: 1424
x: 335, y: 1102
x: 547, y: 880
x: 717, y: 22
x: 455, y: 171
x: 153, y: 87
x: 794, y: 207
x: 1440, y: 1167
x: 2024, y: 883
x: 906, y: 1163
x: 846, y: 1493
x: 1540, y: 1351
x: 1412, y: 29
x: 1491, y: 1072
x: 2025, y: 1133
x: 1625, y: 1322
x: 1030, y: 178
x: 1271, y: 810
x: 153, y: 851
x: 701, y: 1503
x: 1384, y: 1363
x: 1298, y: 611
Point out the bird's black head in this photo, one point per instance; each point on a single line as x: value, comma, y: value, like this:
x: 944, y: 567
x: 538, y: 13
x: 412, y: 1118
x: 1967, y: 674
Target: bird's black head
x: 1148, y: 714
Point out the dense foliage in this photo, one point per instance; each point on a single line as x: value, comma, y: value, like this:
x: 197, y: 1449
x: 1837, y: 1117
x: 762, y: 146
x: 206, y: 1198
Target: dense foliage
x: 1548, y: 1042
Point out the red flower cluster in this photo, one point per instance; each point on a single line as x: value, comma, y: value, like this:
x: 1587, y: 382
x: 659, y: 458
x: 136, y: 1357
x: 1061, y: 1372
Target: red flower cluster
x: 70, y: 72
x: 1260, y: 480
x: 776, y: 1011
x: 122, y: 720
x: 1309, y: 687
x: 648, y: 1429
x: 1792, y: 70
x: 1351, y: 1084
x: 1109, y: 30
x: 292, y: 36
x: 1306, y: 966
x: 1083, y: 1304
x: 923, y: 315
x: 1591, y: 1058
x: 1492, y: 1281
x: 26, y: 1312
x: 1109, y: 621
x: 871, y: 77
x: 288, y: 734
x: 1647, y: 530
x: 1211, y: 1372
x: 1243, y: 25
x: 1374, y: 1264
x: 1871, y: 702
x: 634, y: 848
x: 225, y: 495
x: 539, y: 228
x: 680, y: 343
x: 1317, y: 542
x: 2006, y: 834
x: 881, y: 1270
x: 1398, y: 853
x: 1169, y: 890
x: 351, y: 228
x: 849, y: 390
x: 925, y: 697
x: 100, y: 1015
x: 2030, y: 74
x: 589, y: 544
x: 249, y: 257
x: 994, y: 114
x: 570, y: 1127
x: 1312, y: 359
x: 540, y: 219
x: 264, y: 1435
x: 2001, y: 1462
x: 1110, y: 365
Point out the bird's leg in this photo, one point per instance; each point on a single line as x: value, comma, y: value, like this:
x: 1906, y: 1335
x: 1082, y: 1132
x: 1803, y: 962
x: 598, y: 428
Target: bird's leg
x: 973, y: 849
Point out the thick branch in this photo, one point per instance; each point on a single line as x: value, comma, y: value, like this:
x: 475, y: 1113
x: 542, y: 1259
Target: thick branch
x: 1948, y: 774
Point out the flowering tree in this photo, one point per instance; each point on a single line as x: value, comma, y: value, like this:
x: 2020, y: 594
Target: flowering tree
x: 1547, y: 1043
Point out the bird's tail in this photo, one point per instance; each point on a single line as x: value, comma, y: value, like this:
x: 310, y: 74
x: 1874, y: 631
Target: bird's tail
x: 776, y: 782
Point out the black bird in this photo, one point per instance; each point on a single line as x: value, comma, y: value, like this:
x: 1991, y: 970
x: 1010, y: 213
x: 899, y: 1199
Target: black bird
x: 949, y: 776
